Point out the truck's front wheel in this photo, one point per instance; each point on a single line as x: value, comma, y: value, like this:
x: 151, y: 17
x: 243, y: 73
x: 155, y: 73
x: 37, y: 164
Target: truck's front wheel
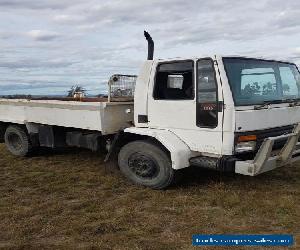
x: 145, y: 163
x: 17, y: 141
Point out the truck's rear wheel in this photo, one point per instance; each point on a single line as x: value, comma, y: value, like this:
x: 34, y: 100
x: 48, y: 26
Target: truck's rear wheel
x: 17, y: 141
x: 146, y: 164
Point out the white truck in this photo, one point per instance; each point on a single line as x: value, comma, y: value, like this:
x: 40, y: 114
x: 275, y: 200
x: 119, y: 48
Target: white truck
x: 232, y: 114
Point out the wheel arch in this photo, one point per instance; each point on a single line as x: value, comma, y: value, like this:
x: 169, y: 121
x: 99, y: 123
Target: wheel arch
x: 179, y: 152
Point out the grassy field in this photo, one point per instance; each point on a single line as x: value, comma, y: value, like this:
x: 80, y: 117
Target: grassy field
x: 72, y: 200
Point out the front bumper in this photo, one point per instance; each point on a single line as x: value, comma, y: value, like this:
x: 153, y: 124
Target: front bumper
x: 266, y: 159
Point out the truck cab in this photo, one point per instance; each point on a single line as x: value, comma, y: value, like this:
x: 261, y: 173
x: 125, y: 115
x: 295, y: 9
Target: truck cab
x: 230, y: 113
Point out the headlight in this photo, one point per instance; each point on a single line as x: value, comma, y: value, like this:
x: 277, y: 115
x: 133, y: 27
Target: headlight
x: 245, y: 143
x: 245, y: 146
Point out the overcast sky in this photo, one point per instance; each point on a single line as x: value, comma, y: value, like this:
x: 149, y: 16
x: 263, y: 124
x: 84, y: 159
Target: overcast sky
x: 47, y: 46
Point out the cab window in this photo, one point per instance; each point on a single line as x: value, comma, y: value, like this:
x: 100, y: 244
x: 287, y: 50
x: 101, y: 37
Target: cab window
x: 174, y: 81
x: 207, y: 94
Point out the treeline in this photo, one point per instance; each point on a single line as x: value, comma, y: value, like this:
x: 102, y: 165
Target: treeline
x: 17, y: 96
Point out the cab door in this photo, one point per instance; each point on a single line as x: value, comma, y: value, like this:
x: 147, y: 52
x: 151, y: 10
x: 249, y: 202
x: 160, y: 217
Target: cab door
x: 185, y: 100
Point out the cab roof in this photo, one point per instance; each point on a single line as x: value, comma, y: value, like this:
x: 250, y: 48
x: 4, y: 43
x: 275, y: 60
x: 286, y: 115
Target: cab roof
x: 219, y: 57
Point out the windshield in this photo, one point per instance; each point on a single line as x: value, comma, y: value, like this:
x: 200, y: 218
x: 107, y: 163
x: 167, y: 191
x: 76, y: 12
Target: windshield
x: 255, y: 81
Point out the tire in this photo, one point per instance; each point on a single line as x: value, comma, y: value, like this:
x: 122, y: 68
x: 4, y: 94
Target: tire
x: 146, y: 164
x: 17, y: 141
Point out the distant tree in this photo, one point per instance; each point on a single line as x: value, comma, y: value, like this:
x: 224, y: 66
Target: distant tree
x: 286, y: 88
x: 251, y: 89
x: 76, y: 89
x: 269, y: 89
x: 17, y: 96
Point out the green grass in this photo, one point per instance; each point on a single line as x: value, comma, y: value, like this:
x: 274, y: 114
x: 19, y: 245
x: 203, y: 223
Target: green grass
x: 72, y: 200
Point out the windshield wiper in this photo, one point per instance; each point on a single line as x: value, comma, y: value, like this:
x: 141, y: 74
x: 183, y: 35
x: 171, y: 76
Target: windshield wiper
x: 265, y: 104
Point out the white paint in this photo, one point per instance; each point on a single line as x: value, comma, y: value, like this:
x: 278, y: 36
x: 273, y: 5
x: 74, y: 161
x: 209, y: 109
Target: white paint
x: 141, y: 92
x: 178, y: 116
x: 180, y: 152
x: 99, y: 116
x: 275, y: 116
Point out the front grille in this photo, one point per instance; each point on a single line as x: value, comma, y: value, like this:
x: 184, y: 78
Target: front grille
x: 273, y: 133
x: 265, y: 133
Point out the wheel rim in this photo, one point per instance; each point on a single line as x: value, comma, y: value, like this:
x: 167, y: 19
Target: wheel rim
x: 15, y: 141
x: 143, y: 166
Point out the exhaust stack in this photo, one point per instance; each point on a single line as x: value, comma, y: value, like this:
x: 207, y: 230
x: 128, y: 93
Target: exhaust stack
x: 150, y: 45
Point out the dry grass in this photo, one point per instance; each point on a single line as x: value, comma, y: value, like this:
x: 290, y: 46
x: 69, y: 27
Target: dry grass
x: 71, y: 200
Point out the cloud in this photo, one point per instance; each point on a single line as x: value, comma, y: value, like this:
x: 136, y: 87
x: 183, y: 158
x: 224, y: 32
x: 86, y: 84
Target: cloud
x: 37, y: 5
x: 67, y: 18
x: 85, y: 41
x: 30, y: 63
x: 32, y: 84
x: 5, y: 35
x: 43, y: 35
